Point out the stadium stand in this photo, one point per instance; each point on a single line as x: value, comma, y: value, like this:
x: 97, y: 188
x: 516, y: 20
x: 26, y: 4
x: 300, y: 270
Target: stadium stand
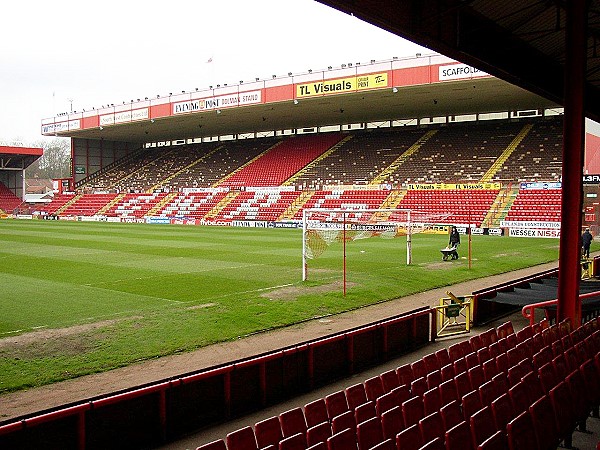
x: 493, y: 414
x: 526, y: 205
x: 271, y: 179
x: 282, y: 161
x: 8, y: 200
x: 538, y: 156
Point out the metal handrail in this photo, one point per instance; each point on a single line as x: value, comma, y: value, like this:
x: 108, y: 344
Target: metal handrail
x: 528, y: 311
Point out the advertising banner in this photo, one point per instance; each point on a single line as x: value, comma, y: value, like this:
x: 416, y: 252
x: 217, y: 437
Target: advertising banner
x: 342, y: 85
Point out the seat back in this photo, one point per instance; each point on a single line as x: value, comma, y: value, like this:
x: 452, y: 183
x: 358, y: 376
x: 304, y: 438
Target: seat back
x: 318, y: 433
x: 242, y: 439
x: 315, y: 412
x: 521, y: 433
x: 292, y: 421
x: 344, y: 440
x: 268, y: 432
x: 369, y: 433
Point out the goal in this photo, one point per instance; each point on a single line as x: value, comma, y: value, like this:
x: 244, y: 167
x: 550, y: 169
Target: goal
x: 321, y: 227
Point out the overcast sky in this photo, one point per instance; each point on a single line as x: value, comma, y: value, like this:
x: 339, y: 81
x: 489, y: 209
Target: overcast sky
x: 95, y: 53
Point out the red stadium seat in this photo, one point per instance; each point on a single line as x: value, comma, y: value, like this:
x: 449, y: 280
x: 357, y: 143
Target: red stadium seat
x: 471, y: 360
x: 432, y: 426
x: 542, y: 414
x: 294, y: 442
x: 448, y: 372
x: 268, y: 432
x: 364, y: 412
x: 443, y: 357
x: 563, y: 411
x: 459, y: 437
x: 503, y: 411
x: 490, y: 369
x: 418, y: 386
x: 369, y: 433
x: 419, y: 369
x: 448, y: 391
x: 431, y: 362
x: 413, y: 411
x: 389, y: 380
x: 402, y: 393
x: 488, y: 392
x: 405, y: 374
x: 292, y: 422
x: 318, y: 433
x: 356, y: 395
x: 343, y: 421
x: 315, y: 412
x: 482, y: 425
x: 519, y: 397
x: 451, y: 414
x: 409, y: 439
x: 432, y: 401
x: 336, y: 404
x: 521, y: 433
x: 392, y: 422
x: 462, y: 384
x: 242, y: 439
x: 344, y: 440
x: 374, y: 388
x: 496, y: 441
x: 547, y: 376
x: 471, y: 403
x: 476, y: 377
x: 534, y: 386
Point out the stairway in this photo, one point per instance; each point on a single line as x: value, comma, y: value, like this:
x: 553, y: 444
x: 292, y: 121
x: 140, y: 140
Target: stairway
x: 389, y: 170
x: 497, y: 165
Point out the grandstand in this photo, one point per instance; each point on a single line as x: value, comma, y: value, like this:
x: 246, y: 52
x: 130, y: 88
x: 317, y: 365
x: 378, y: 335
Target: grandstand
x: 274, y: 179
x: 504, y: 388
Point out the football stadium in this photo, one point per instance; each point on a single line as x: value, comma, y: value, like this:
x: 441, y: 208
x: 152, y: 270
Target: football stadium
x: 381, y: 255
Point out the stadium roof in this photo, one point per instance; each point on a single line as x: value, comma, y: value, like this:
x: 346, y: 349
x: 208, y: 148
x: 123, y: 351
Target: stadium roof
x: 397, y: 89
x: 18, y: 158
x: 520, y: 41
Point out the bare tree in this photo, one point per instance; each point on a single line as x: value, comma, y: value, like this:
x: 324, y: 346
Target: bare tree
x: 56, y: 161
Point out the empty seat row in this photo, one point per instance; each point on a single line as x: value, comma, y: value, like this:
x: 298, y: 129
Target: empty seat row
x: 499, y: 389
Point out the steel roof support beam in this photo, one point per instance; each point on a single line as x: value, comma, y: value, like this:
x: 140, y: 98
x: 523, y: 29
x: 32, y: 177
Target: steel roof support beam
x: 569, y: 273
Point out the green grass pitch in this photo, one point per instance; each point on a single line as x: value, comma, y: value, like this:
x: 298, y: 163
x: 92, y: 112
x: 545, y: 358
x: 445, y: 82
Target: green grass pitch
x: 103, y: 295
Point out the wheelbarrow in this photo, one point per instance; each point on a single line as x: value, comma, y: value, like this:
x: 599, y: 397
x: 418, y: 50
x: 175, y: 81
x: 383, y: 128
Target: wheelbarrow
x: 449, y: 253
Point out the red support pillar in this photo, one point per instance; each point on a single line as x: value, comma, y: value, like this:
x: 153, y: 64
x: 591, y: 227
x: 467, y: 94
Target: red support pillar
x: 572, y: 165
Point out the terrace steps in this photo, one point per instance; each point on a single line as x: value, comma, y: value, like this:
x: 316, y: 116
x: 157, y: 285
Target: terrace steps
x: 497, y: 165
x: 68, y: 204
x: 389, y: 170
x: 110, y: 204
x: 165, y: 200
x: 214, y: 212
x: 296, y: 205
x: 290, y: 181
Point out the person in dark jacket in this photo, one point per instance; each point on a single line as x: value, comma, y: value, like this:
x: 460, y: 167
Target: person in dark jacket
x: 454, y: 238
x: 454, y: 242
x: 586, y: 242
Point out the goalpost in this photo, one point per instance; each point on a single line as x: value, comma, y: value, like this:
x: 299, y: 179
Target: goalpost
x: 323, y: 226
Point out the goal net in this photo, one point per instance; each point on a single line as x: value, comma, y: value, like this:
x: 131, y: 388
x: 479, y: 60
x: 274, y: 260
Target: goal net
x: 322, y: 227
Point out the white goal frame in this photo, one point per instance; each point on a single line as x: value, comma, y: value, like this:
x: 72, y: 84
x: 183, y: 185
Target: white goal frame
x: 347, y: 224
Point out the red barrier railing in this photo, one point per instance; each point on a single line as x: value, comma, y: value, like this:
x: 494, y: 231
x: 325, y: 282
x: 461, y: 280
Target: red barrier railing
x: 528, y: 311
x: 377, y: 339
